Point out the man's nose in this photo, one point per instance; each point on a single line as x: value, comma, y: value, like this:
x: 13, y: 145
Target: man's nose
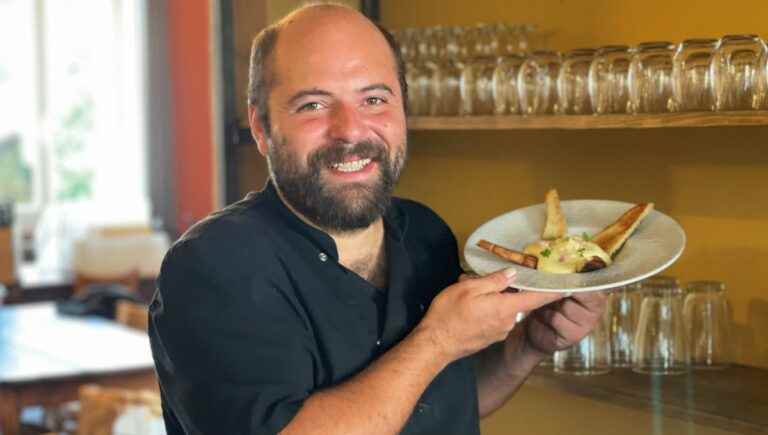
x: 346, y: 124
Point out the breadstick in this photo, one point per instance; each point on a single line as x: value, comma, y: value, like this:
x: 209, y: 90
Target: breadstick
x: 509, y: 254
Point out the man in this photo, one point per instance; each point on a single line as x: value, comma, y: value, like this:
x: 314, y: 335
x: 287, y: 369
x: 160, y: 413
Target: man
x: 321, y: 305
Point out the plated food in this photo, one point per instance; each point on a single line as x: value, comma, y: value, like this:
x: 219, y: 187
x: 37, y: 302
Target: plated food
x: 656, y: 242
x: 558, y: 252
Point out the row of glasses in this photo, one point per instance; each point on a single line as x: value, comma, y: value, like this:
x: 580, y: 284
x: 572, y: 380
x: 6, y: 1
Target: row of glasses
x: 462, y: 42
x: 683, y: 328
x: 449, y: 69
x: 696, y: 75
x: 656, y: 327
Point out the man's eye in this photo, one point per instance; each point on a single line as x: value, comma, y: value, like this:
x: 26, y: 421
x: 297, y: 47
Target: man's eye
x: 310, y: 107
x: 374, y: 101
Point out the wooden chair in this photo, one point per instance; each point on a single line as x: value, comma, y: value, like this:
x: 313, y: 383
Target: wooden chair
x: 132, y: 315
x: 100, y: 407
x: 129, y: 280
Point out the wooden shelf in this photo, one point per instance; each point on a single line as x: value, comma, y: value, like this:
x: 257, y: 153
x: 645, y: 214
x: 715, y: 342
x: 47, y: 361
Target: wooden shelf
x: 588, y: 122
x: 733, y: 399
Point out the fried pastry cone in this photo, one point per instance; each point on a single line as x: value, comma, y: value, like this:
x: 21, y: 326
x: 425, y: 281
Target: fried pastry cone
x: 555, y: 226
x: 612, y: 237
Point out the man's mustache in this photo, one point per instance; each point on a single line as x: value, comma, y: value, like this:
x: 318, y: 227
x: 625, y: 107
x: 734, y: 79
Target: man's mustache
x: 336, y: 152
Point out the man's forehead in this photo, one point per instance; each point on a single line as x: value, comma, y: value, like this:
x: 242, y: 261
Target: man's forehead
x: 333, y: 37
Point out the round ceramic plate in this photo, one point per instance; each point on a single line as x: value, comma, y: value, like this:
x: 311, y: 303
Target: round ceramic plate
x: 656, y: 243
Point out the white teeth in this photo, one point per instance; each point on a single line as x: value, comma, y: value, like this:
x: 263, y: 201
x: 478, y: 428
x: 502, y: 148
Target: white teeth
x: 351, y: 166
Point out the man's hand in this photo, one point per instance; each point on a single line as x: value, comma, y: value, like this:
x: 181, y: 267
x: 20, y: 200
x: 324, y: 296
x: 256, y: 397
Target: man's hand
x: 563, y: 323
x: 503, y: 368
x: 475, y: 313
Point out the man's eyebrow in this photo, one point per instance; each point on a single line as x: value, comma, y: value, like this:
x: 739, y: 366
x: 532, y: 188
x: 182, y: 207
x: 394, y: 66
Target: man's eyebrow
x: 377, y: 86
x: 308, y: 92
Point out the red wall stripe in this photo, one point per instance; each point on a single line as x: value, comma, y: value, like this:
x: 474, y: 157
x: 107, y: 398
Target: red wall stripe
x: 188, y: 30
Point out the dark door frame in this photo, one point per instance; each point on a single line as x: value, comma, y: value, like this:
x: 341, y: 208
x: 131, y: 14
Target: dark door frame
x: 231, y: 139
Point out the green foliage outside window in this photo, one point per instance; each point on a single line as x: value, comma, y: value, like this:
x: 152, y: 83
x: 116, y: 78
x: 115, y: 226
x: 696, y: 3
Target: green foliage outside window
x: 74, y: 176
x: 15, y: 176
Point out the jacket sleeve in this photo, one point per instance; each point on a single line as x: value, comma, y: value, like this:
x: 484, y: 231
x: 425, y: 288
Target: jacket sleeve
x: 233, y: 352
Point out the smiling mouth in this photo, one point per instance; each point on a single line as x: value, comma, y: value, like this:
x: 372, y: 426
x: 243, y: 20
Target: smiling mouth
x: 351, y: 166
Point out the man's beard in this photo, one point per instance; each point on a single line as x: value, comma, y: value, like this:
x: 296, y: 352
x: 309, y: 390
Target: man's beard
x: 341, y: 207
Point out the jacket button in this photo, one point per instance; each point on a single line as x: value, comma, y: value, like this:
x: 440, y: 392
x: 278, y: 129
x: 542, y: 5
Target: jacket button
x: 322, y: 257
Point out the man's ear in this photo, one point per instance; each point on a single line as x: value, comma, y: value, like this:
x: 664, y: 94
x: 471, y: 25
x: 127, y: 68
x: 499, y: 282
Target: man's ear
x: 257, y: 130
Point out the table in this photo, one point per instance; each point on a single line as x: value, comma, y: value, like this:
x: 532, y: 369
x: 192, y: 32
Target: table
x: 46, y: 356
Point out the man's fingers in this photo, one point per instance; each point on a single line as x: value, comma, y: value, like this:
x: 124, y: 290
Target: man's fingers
x: 492, y: 283
x: 527, y: 301
x: 467, y: 276
x: 543, y: 321
x: 592, y: 301
x: 564, y: 327
x: 576, y: 312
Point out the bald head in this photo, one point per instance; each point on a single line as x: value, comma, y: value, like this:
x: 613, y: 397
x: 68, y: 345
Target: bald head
x: 318, y: 12
x: 316, y: 33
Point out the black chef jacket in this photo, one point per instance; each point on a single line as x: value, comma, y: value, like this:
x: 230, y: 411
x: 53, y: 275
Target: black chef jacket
x: 253, y: 313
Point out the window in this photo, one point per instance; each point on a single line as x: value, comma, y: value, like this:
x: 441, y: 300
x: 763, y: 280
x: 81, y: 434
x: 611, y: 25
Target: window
x: 72, y: 105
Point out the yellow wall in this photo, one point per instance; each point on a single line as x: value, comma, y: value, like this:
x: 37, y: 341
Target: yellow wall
x: 714, y: 181
x: 585, y: 23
